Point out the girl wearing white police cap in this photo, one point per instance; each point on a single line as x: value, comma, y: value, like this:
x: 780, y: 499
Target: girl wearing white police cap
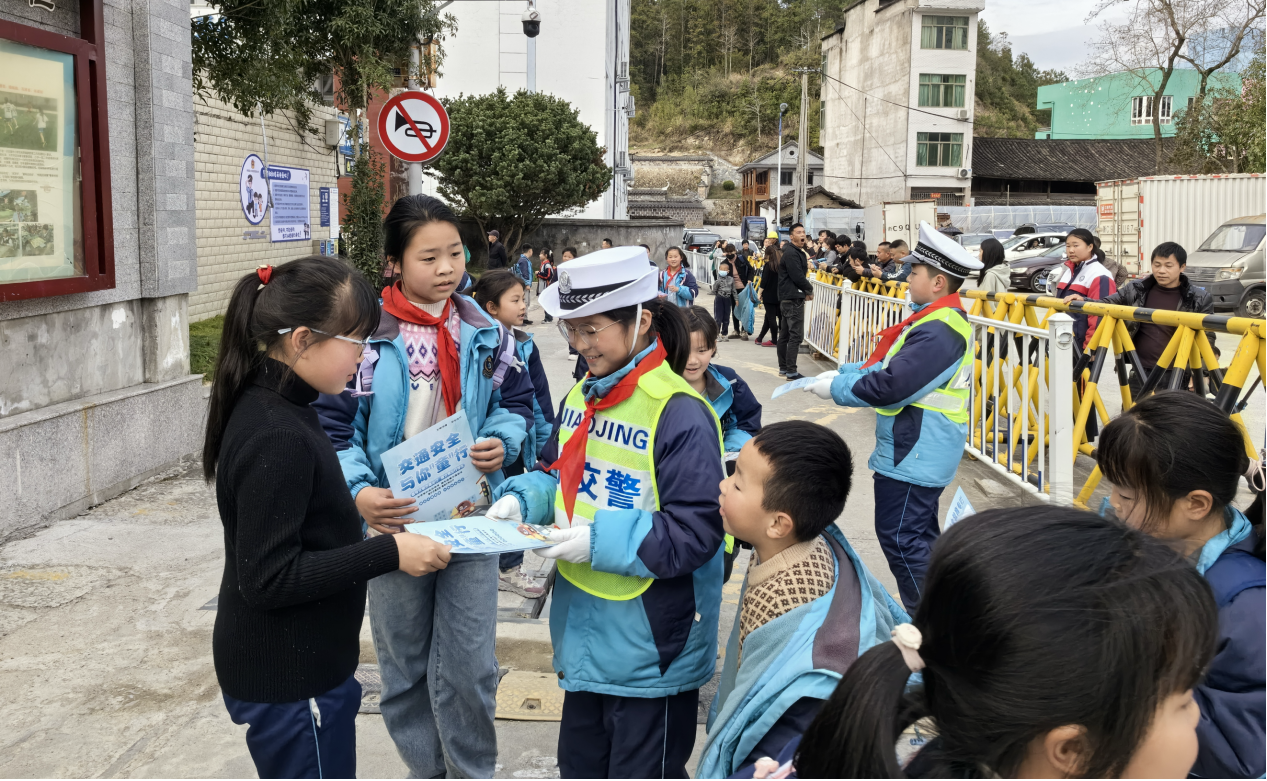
x: 917, y: 380
x: 629, y: 481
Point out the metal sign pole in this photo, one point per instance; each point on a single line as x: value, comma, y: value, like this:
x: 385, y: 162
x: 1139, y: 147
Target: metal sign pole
x: 415, y: 169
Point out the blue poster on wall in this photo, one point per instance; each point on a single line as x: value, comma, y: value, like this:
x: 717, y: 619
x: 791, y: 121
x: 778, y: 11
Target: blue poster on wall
x: 251, y: 189
x: 292, y: 210
x: 325, y: 207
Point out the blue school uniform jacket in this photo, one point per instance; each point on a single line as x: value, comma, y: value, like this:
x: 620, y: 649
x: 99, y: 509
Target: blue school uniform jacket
x: 735, y: 405
x: 687, y: 287
x: 542, y: 407
x: 1232, y: 696
x: 794, y: 660
x: 664, y: 641
x: 917, y: 445
x: 496, y: 395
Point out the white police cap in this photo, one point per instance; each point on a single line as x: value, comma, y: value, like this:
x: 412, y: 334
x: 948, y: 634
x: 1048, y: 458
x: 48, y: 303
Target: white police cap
x: 600, y: 282
x: 942, y: 252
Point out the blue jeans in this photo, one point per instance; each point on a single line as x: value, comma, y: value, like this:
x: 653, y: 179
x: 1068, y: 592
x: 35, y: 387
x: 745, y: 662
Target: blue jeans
x: 290, y: 740
x: 434, y: 637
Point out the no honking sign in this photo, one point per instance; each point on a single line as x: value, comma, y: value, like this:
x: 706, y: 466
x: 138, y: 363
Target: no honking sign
x: 414, y: 127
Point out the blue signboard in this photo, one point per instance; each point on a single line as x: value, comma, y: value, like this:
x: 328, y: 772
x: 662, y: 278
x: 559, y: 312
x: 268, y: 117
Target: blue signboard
x: 291, y: 207
x: 325, y: 207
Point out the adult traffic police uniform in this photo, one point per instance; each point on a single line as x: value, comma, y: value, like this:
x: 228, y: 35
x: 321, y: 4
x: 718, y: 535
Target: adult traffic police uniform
x: 917, y: 380
x: 635, y: 460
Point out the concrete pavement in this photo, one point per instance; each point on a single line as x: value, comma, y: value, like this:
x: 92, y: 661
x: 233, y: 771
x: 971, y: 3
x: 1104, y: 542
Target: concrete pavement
x: 105, y: 619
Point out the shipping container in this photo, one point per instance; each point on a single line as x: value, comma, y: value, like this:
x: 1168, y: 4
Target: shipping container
x: 1135, y: 215
x: 895, y: 220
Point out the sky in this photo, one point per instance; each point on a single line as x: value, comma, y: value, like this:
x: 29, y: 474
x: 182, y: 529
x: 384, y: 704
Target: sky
x: 1052, y: 32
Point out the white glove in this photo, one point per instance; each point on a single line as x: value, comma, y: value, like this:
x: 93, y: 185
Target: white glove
x: 828, y: 375
x: 569, y: 544
x: 821, y: 389
x: 505, y: 509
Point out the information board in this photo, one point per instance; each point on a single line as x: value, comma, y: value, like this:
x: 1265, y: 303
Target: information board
x: 292, y: 208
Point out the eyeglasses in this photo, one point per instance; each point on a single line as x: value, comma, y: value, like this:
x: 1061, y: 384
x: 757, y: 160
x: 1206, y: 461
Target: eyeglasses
x: 584, y: 333
x: 361, y: 342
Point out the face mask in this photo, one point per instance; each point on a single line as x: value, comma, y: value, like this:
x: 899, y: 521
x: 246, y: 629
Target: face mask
x: 723, y: 273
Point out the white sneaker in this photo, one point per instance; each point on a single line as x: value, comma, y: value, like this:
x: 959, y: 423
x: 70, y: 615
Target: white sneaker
x: 519, y: 582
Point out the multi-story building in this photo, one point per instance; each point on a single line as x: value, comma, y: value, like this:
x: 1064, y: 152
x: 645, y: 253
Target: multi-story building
x: 759, y: 175
x: 898, y: 85
x: 582, y: 56
x: 1120, y: 105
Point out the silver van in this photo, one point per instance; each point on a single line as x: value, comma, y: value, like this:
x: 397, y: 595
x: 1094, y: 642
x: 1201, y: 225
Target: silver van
x: 1229, y: 264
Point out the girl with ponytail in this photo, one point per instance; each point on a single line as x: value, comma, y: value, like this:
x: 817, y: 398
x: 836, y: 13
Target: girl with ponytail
x: 292, y: 597
x: 1084, y: 276
x: 1051, y: 643
x: 1176, y: 462
x: 629, y: 477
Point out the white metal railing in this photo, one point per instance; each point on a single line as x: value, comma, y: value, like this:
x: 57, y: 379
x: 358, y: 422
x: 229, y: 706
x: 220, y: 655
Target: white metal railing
x: 1017, y: 424
x: 820, y: 317
x: 862, y: 316
x: 1020, y: 411
x: 701, y: 267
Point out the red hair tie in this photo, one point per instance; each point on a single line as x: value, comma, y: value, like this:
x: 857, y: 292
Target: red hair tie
x: 265, y: 273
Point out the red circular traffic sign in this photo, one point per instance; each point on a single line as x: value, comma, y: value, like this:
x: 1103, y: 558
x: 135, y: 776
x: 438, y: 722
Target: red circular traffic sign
x: 414, y: 127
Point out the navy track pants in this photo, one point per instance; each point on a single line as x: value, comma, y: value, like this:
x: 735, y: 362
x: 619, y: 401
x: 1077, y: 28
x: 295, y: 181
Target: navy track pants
x: 306, y: 739
x: 607, y: 736
x: 906, y: 525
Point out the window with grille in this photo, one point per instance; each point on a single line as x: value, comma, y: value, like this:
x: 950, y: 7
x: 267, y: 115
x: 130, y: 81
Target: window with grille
x: 938, y: 149
x: 944, y: 32
x: 785, y: 177
x: 942, y: 90
x: 1142, y: 110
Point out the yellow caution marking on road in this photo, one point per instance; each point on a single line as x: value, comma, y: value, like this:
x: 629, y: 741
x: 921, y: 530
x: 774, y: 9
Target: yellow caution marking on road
x: 527, y: 696
x: 23, y: 574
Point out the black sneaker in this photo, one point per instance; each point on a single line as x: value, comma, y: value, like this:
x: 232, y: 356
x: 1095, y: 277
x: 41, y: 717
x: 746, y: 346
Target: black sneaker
x: 795, y: 376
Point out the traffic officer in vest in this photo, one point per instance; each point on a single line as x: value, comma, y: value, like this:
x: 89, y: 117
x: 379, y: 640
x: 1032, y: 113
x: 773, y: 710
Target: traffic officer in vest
x: 917, y: 380
x: 629, y: 481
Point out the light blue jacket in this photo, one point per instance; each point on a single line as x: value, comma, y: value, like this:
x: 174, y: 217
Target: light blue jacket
x: 917, y: 446
x: 380, y: 415
x: 542, y: 406
x: 663, y: 642
x: 802, y: 653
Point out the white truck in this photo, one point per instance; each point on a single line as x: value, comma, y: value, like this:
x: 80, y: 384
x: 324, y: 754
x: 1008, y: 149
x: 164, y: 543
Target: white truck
x: 1135, y: 215
x: 893, y: 220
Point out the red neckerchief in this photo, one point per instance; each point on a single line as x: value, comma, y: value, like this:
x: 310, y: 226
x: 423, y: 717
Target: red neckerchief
x: 571, y: 463
x: 395, y: 303
x: 889, y: 335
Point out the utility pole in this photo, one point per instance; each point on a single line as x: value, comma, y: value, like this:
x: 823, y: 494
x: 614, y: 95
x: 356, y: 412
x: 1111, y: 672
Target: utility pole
x: 802, y: 167
x: 778, y: 184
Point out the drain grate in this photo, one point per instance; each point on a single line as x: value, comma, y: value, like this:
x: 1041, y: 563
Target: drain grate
x: 371, y: 687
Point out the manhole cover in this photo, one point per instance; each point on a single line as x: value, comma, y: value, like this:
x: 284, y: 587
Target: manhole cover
x: 527, y: 696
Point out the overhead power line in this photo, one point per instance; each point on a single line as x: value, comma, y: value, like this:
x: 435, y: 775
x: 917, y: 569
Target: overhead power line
x: 891, y: 103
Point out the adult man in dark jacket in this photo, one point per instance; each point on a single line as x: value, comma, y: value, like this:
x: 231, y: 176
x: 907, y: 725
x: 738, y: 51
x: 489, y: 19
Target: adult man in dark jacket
x: 1167, y: 288
x: 496, y: 251
x: 794, y: 291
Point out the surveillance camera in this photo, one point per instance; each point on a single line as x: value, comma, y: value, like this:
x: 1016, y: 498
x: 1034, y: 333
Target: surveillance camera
x: 532, y: 22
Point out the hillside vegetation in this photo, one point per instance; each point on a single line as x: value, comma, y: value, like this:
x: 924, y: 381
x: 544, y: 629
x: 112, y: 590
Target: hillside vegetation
x: 710, y: 75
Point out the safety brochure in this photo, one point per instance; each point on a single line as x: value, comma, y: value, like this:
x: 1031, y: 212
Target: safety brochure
x: 434, y: 469
x: 960, y: 508
x: 788, y: 387
x: 478, y: 534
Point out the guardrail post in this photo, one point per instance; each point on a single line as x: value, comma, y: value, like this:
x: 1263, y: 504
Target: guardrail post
x: 1060, y: 409
x: 846, y: 303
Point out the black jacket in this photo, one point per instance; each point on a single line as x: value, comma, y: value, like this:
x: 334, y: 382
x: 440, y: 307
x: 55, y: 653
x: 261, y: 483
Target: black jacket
x: 793, y: 268
x: 1135, y: 293
x: 496, y: 255
x: 770, y: 283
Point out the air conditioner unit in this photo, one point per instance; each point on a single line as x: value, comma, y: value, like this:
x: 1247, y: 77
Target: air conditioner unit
x: 963, y: 173
x: 962, y: 114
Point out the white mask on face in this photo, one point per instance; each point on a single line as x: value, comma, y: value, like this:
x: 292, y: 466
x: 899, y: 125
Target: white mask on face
x: 723, y: 273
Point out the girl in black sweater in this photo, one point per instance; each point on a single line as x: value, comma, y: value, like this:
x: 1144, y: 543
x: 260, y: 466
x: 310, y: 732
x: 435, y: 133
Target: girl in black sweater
x: 287, y: 633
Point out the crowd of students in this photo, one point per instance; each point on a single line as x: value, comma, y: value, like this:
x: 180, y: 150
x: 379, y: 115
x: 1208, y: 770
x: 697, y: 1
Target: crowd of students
x: 1035, y: 642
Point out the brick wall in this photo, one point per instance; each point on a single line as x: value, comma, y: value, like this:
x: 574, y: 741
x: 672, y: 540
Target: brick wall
x: 223, y: 139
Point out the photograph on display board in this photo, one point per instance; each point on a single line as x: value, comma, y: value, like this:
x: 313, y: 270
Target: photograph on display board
x: 40, y: 232
x: 28, y: 122
x: 253, y: 188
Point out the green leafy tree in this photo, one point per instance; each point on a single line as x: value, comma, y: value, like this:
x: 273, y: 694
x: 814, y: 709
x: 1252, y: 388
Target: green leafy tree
x: 362, y: 233
x: 514, y: 160
x: 1007, y: 88
x: 1225, y: 131
x: 267, y: 56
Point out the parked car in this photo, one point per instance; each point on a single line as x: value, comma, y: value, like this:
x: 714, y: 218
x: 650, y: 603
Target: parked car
x: 699, y: 241
x: 1229, y: 264
x: 1030, y: 244
x: 1002, y: 234
x: 1031, y: 227
x: 1030, y: 274
x: 972, y: 242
